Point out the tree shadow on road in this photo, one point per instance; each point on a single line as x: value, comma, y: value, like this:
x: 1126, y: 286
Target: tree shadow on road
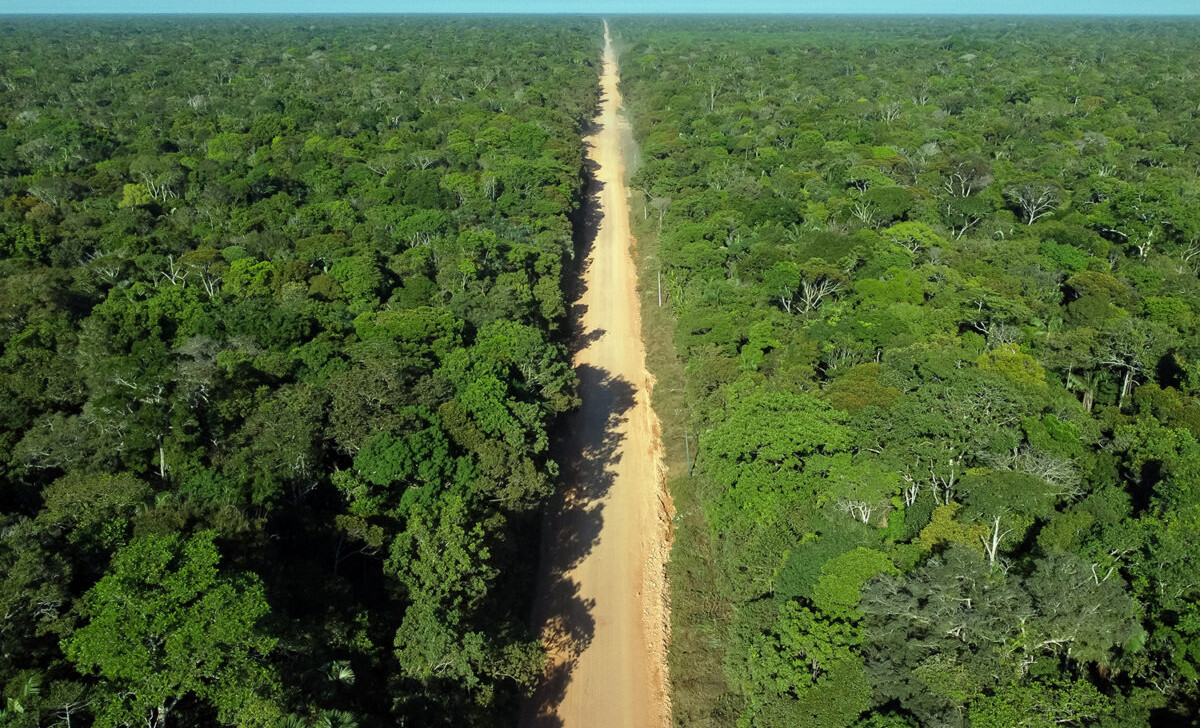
x: 586, y: 220
x: 588, y: 448
x: 586, y: 225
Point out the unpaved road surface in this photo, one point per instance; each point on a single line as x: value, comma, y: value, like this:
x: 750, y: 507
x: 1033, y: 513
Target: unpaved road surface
x: 601, y: 604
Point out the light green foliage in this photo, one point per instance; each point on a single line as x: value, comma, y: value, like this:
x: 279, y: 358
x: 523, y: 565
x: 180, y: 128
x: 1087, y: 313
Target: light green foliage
x: 1064, y: 257
x: 1055, y: 436
x: 442, y: 558
x: 805, y: 644
x: 226, y: 147
x: 860, y: 487
x: 360, y: 278
x: 897, y: 287
x: 1040, y: 705
x: 865, y: 176
x: 801, y: 565
x: 757, y: 453
x: 915, y: 264
x: 1011, y: 362
x: 1170, y: 311
x: 944, y: 529
x: 446, y: 568
x: 776, y: 429
x: 249, y: 278
x: 509, y: 381
x: 761, y: 340
x: 164, y: 623
x: 135, y: 195
x: 806, y: 670
x: 842, y: 578
x: 913, y: 236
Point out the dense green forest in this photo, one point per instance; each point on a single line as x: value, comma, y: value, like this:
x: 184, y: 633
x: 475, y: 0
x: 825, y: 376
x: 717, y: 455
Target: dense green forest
x: 282, y: 345
x: 935, y: 288
x: 281, y: 338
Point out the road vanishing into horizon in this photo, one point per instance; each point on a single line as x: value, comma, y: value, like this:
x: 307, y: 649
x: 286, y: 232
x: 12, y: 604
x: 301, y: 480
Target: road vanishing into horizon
x: 601, y: 605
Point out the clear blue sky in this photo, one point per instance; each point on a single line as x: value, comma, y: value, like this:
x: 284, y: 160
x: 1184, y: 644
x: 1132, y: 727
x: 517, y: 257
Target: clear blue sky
x: 1091, y: 7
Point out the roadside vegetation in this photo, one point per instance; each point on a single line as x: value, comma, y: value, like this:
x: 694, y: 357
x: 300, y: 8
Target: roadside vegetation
x: 281, y: 340
x: 935, y: 291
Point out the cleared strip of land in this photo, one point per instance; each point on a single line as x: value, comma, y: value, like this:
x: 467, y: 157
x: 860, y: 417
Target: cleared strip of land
x: 601, y: 598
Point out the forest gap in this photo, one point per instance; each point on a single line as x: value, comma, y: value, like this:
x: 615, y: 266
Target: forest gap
x: 600, y: 604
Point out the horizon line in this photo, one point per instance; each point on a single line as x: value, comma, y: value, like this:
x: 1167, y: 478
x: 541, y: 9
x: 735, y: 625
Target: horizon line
x: 460, y: 13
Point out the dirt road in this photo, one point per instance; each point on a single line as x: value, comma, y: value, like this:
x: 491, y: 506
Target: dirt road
x: 601, y: 596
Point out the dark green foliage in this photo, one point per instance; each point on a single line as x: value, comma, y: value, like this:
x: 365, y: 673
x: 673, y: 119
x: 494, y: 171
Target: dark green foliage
x: 281, y: 309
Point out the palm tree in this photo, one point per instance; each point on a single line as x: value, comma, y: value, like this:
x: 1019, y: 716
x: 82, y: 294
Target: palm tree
x: 16, y: 706
x: 335, y: 719
x: 1085, y: 383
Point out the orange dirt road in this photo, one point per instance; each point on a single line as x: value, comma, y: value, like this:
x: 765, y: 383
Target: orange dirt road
x: 601, y: 601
